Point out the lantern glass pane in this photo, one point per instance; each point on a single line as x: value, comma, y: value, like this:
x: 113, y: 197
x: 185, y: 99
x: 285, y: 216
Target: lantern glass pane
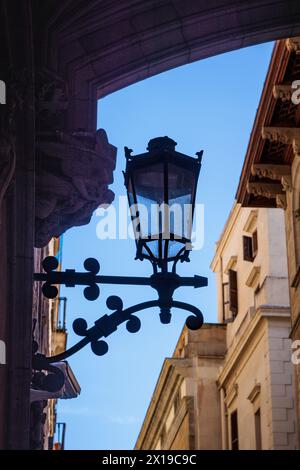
x: 130, y: 194
x: 149, y: 189
x: 133, y: 211
x: 163, y: 194
x: 153, y: 246
x: 173, y: 248
x: 181, y: 186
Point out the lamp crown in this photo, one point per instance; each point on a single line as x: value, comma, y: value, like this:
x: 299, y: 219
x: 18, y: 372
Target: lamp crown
x: 161, y: 143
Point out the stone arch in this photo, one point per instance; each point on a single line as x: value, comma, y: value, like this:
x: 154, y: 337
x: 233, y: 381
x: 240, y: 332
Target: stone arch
x: 86, y: 50
x: 101, y: 47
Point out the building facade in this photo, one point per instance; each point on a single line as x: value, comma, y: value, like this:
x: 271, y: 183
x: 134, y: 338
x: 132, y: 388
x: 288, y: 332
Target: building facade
x: 50, y: 334
x: 230, y: 385
x: 184, y: 412
x: 44, y: 326
x: 271, y: 172
x: 256, y: 382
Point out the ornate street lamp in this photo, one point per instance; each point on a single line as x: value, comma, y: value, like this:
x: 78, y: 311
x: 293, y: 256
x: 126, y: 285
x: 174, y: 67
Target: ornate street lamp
x: 161, y: 186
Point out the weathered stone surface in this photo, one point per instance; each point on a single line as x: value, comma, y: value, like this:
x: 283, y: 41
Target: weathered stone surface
x: 7, y: 163
x: 73, y: 174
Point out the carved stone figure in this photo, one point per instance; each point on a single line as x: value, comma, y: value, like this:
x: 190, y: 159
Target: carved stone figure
x: 72, y: 178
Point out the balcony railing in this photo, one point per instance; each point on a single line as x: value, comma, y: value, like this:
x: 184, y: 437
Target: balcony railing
x: 59, y: 437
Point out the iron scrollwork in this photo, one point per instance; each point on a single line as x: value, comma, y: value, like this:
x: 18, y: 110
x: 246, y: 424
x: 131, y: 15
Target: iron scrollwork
x: 165, y: 283
x: 108, y: 324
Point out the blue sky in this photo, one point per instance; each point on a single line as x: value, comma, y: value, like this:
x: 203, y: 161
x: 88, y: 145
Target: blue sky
x: 207, y: 105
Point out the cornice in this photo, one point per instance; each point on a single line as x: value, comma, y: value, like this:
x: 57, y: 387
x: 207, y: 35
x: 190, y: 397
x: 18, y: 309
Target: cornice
x: 264, y: 113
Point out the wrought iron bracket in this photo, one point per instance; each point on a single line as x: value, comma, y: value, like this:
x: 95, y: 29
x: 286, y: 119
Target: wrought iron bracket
x: 165, y: 283
x: 71, y: 278
x: 108, y: 324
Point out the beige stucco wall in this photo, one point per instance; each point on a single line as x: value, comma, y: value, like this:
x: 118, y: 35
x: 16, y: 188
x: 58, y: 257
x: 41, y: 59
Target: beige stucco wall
x: 181, y: 440
x: 252, y: 368
x: 191, y: 374
x: 270, y: 259
x: 258, y: 359
x: 263, y: 363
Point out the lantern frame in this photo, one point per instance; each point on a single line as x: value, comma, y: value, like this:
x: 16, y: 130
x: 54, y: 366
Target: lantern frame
x: 161, y: 150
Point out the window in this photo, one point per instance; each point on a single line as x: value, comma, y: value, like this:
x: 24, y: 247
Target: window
x: 230, y: 297
x: 254, y: 244
x: 257, y: 421
x: 234, y: 431
x: 247, y: 248
x: 233, y: 292
x: 177, y: 401
x: 225, y: 297
x: 250, y: 246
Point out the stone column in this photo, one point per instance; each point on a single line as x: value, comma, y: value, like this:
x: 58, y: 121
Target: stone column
x: 17, y: 219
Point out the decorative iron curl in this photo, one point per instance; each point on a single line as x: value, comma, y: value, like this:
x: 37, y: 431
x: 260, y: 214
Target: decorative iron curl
x: 107, y: 324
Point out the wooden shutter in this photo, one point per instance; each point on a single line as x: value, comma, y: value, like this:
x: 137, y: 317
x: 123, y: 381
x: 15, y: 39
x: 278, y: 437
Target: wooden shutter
x: 254, y: 244
x: 247, y: 248
x: 234, y: 431
x: 233, y: 292
x: 257, y: 422
x: 225, y: 298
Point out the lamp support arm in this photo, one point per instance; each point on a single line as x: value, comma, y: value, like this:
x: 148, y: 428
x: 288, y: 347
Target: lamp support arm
x: 108, y: 324
x: 71, y: 278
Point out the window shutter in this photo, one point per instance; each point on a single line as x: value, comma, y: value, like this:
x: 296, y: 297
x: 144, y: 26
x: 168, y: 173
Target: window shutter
x: 254, y: 244
x: 234, y: 431
x: 233, y: 292
x: 247, y: 248
x: 225, y: 297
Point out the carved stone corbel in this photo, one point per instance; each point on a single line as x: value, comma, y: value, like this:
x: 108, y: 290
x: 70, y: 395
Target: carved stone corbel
x: 286, y: 182
x: 280, y: 173
x: 73, y: 174
x: 73, y: 168
x: 281, y: 201
x: 285, y: 135
x: 272, y: 171
x: 282, y: 92
x: 270, y: 191
x: 293, y: 44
